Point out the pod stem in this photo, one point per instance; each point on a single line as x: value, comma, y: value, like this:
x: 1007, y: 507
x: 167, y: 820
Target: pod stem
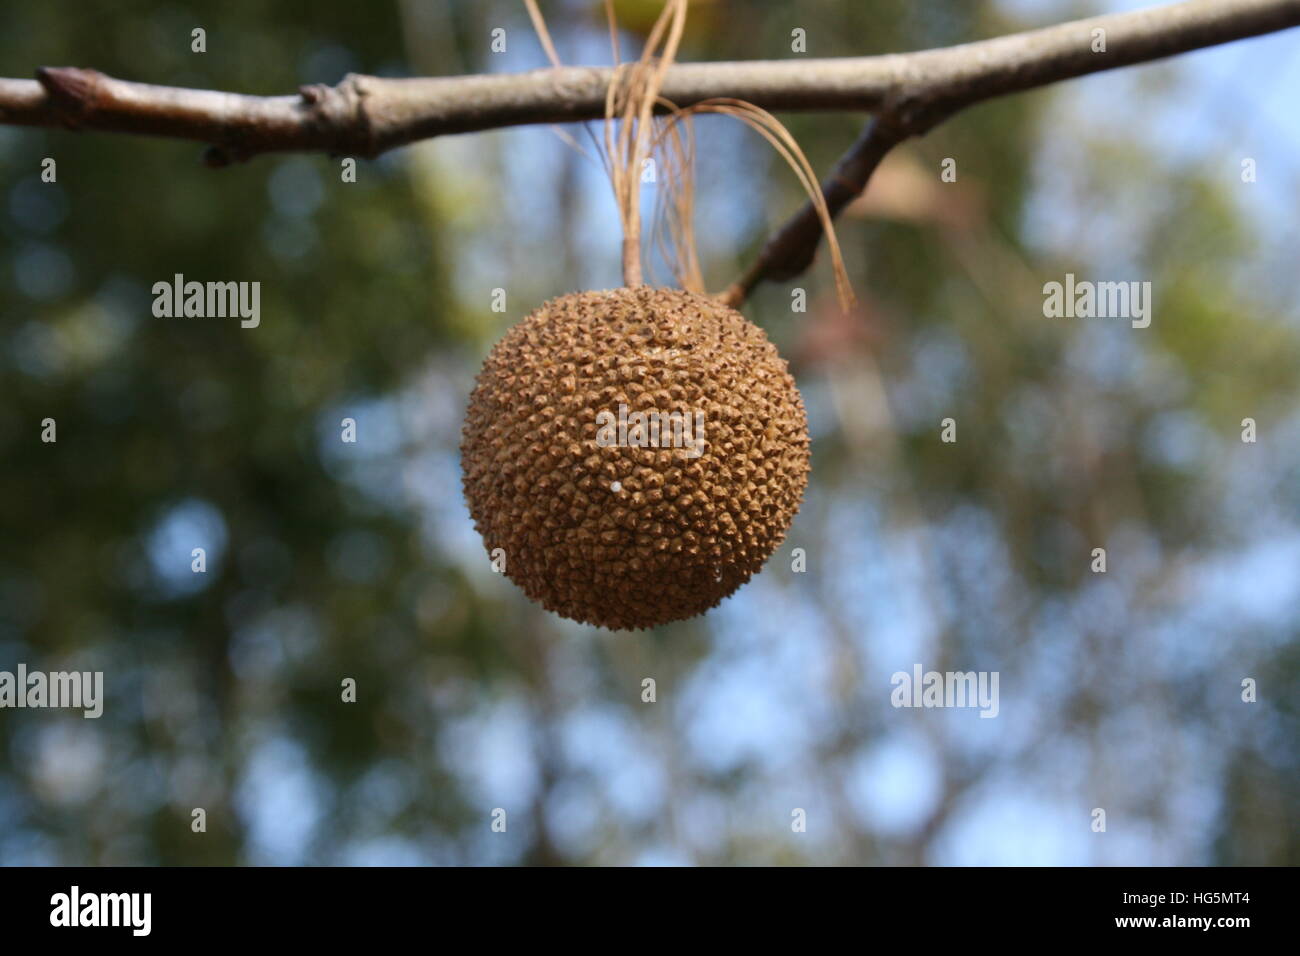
x: 632, y: 262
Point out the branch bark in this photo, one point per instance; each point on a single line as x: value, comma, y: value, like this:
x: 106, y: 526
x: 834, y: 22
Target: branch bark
x: 367, y: 115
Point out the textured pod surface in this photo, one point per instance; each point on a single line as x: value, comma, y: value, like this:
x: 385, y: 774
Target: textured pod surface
x: 615, y: 534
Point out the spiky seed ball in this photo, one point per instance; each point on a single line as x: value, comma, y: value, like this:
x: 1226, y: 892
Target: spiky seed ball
x: 624, y: 536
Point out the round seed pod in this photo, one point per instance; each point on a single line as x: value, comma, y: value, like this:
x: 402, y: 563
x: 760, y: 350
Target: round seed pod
x: 611, y: 515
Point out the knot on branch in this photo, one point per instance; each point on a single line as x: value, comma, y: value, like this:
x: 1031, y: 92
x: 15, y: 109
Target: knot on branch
x: 339, y: 114
x: 329, y: 118
x: 74, y: 92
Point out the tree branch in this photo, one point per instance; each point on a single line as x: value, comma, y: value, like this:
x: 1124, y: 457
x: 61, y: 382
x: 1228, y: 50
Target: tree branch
x: 791, y: 249
x: 1144, y: 35
x: 366, y: 115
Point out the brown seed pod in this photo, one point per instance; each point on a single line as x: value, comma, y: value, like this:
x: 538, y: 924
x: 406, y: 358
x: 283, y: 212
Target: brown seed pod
x: 657, y: 524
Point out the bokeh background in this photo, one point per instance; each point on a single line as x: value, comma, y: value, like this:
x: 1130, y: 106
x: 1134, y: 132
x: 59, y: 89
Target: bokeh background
x: 329, y: 560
